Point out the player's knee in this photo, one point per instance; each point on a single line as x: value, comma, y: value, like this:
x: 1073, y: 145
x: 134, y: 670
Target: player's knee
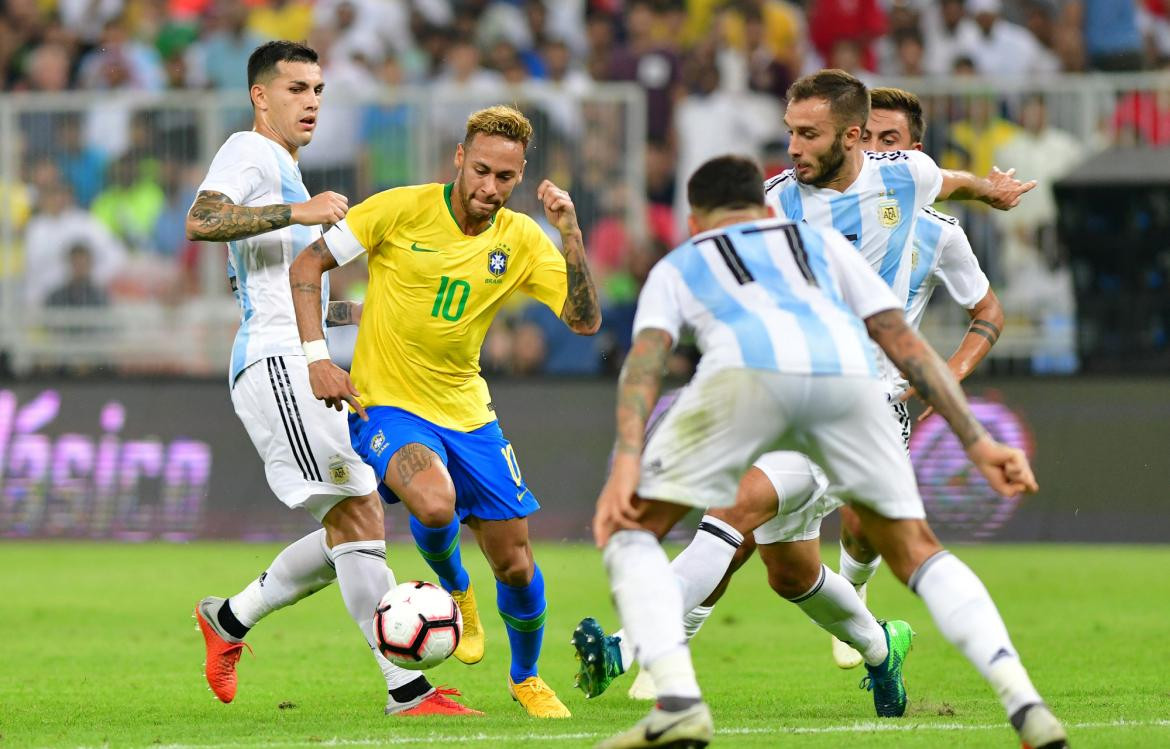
x: 793, y: 578
x: 434, y: 513
x: 515, y: 569
x: 355, y: 519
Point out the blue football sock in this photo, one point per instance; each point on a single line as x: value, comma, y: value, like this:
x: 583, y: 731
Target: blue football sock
x: 440, y: 548
x: 522, y: 610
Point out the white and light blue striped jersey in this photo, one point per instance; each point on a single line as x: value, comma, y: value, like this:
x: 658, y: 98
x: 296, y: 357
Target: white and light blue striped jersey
x: 876, y: 213
x: 941, y: 254
x: 252, y: 170
x: 771, y: 295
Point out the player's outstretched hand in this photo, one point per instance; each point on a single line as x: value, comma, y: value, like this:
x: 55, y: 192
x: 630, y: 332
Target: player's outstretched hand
x: 1006, y: 468
x: 331, y: 384
x: 615, y: 507
x: 1006, y: 190
x: 322, y: 208
x: 558, y: 207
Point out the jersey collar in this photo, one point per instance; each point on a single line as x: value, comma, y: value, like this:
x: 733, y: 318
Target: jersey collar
x: 447, y: 188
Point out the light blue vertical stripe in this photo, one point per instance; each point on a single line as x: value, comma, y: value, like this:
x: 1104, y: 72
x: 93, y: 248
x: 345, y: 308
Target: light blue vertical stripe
x: 814, y: 245
x: 292, y: 190
x: 847, y: 217
x: 927, y: 235
x: 238, y: 269
x: 897, y: 178
x: 755, y: 346
x: 823, y: 355
x: 790, y: 201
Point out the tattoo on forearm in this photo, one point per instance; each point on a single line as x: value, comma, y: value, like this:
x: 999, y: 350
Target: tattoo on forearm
x: 412, y: 459
x: 986, y: 329
x: 341, y: 313
x: 215, y: 218
x: 927, y: 372
x: 581, y: 307
x: 638, y: 387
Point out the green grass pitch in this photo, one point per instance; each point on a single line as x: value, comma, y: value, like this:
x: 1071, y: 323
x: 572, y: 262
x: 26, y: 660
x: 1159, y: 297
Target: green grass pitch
x: 99, y: 649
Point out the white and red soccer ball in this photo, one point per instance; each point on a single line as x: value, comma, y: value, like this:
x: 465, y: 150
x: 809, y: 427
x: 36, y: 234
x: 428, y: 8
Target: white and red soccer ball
x: 417, y: 625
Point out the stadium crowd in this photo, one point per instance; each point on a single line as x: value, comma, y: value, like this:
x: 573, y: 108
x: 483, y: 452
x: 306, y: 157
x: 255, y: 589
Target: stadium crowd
x: 103, y: 188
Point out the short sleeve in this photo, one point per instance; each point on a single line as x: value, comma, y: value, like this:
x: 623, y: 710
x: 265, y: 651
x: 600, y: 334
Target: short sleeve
x: 342, y: 243
x: 927, y: 177
x: 236, y: 171
x: 370, y: 223
x: 547, y: 279
x: 863, y: 289
x: 958, y: 269
x: 659, y: 304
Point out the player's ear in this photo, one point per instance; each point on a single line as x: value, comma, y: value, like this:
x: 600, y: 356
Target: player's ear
x: 693, y: 224
x: 459, y: 156
x: 520, y: 175
x: 852, y: 136
x: 259, y: 97
x: 917, y: 145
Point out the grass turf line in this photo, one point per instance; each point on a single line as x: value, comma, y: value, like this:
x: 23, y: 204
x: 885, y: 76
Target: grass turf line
x: 100, y: 649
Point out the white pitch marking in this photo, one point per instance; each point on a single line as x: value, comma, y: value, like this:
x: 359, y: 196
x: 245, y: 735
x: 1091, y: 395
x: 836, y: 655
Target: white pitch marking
x: 463, y: 738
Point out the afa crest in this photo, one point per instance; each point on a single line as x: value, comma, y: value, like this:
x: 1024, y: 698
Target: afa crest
x: 889, y: 214
x: 497, y: 262
x: 338, y: 470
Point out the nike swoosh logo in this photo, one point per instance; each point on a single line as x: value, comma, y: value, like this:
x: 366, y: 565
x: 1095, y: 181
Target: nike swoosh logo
x: 520, y: 495
x: 652, y: 735
x: 414, y: 246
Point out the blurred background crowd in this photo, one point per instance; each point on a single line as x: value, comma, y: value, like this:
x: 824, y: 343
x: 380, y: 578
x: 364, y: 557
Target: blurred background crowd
x: 130, y: 98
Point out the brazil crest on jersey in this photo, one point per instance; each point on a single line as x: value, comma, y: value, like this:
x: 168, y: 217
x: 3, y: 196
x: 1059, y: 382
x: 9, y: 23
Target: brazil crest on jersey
x: 432, y: 296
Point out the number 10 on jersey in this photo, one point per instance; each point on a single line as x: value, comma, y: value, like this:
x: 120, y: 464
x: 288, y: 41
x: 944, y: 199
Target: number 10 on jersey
x: 451, y: 299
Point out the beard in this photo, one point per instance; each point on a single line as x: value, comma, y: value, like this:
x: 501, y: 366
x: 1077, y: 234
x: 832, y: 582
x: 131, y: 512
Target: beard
x: 830, y: 165
x: 469, y: 208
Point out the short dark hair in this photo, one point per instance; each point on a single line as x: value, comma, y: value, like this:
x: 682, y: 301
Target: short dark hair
x: 262, y: 62
x: 902, y: 101
x: 848, y: 99
x: 726, y: 182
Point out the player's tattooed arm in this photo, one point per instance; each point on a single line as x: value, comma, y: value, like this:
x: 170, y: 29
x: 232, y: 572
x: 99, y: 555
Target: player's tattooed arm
x: 999, y: 189
x: 343, y: 313
x: 987, y: 321
x: 927, y: 372
x: 215, y: 218
x: 581, y: 312
x: 304, y: 276
x: 638, y: 387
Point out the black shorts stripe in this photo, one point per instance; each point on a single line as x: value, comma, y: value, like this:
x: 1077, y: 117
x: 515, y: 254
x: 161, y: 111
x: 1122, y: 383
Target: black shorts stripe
x: 278, y: 394
x: 734, y: 261
x: 298, y: 423
x: 799, y: 253
x: 720, y: 534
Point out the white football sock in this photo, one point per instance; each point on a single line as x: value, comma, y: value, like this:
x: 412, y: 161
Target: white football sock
x: 300, y: 569
x: 857, y: 573
x: 699, y: 569
x: 693, y: 620
x: 649, y: 604
x: 965, y: 614
x: 363, y: 578
x: 701, y: 566
x: 833, y: 604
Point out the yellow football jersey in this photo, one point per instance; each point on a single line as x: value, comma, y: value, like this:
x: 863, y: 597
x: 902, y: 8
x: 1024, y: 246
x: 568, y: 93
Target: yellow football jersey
x: 433, y: 293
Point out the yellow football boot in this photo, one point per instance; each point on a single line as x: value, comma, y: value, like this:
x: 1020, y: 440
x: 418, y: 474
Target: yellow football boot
x: 538, y: 698
x: 470, y: 649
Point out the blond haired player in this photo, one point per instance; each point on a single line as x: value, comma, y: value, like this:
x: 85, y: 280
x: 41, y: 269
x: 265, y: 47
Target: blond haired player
x: 253, y: 199
x: 442, y: 260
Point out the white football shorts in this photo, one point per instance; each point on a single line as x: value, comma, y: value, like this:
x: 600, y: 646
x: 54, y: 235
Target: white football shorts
x: 723, y: 422
x: 803, y: 490
x: 304, y: 444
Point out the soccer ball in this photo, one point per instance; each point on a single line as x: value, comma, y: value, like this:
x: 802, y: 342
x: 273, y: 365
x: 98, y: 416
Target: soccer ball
x: 417, y: 625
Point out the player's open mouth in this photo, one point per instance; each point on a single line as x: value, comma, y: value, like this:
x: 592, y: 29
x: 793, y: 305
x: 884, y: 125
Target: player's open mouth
x: 308, y: 123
